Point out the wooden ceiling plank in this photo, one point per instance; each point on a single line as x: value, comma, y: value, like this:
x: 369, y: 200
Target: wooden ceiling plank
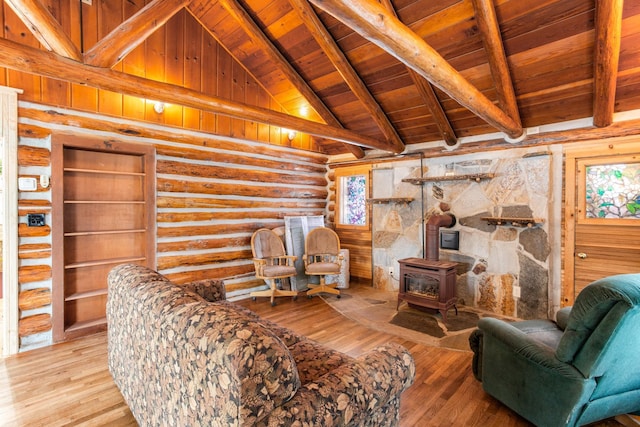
x: 428, y: 96
x: 132, y: 32
x: 377, y: 25
x: 346, y: 70
x: 31, y: 60
x: 260, y: 39
x: 493, y: 46
x: 44, y: 27
x: 608, y: 28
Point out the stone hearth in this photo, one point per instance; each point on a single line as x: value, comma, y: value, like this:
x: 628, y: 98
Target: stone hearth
x: 494, y: 261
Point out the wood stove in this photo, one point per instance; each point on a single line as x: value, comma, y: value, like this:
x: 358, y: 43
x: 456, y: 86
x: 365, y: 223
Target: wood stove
x: 429, y: 282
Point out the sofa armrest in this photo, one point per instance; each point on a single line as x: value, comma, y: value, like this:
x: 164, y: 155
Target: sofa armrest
x: 211, y: 290
x: 353, y: 392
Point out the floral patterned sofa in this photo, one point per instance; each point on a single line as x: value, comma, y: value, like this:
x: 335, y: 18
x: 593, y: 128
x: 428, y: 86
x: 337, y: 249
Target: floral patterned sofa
x: 182, y: 355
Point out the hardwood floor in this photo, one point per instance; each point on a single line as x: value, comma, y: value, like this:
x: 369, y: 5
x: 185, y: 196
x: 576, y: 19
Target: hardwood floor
x: 62, y: 385
x: 69, y: 384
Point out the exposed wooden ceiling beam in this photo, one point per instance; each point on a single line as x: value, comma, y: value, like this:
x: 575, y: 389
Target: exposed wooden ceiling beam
x: 247, y: 23
x: 608, y: 28
x: 377, y: 25
x: 129, y: 34
x: 349, y: 75
x: 35, y: 61
x: 428, y: 96
x: 492, y: 41
x: 44, y: 27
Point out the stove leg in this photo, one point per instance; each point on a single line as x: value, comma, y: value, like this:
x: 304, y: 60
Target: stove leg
x: 444, y: 312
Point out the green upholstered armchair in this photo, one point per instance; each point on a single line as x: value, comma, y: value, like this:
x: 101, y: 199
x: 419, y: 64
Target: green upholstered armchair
x: 582, y: 368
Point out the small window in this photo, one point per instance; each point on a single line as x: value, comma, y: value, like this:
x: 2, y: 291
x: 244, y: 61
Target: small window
x: 613, y: 191
x: 352, y: 185
x: 608, y: 192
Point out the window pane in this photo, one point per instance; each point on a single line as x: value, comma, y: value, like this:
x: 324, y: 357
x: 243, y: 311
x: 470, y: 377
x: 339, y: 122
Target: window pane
x: 613, y: 191
x: 354, y: 203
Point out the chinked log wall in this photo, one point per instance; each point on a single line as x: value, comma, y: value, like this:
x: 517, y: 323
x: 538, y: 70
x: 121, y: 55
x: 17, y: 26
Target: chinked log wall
x: 212, y: 193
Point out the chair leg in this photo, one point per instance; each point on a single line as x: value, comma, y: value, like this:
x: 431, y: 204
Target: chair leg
x: 323, y: 287
x: 273, y: 292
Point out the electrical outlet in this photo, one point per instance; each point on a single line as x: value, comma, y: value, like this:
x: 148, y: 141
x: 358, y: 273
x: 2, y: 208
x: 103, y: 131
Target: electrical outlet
x: 516, y: 291
x: 390, y: 271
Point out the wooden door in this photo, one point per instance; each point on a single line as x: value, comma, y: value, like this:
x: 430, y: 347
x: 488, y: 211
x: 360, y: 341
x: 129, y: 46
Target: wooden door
x: 103, y: 215
x: 603, y: 188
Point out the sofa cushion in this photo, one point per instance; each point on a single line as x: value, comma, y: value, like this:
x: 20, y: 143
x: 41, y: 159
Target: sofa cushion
x: 313, y: 360
x: 211, y: 290
x: 288, y: 337
x: 249, y: 369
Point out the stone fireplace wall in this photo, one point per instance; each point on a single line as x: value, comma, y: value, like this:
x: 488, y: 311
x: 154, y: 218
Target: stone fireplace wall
x: 496, y: 262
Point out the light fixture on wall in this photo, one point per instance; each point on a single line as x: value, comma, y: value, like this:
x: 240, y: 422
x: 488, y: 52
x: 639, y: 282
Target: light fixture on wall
x: 158, y: 107
x: 291, y: 134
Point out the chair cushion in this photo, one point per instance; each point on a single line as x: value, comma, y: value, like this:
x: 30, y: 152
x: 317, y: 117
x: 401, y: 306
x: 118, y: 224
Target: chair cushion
x: 278, y: 271
x: 323, y: 268
x: 542, y: 330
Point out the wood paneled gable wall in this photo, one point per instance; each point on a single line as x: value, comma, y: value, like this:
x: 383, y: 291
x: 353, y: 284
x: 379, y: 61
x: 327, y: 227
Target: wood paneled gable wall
x: 181, y: 53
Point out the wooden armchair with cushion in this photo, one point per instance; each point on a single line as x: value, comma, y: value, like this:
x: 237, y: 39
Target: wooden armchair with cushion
x: 272, y: 264
x: 322, y: 257
x: 583, y: 368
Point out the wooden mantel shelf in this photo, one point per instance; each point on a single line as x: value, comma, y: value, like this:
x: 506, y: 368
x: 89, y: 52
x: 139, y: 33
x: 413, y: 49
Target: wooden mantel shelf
x: 516, y: 222
x: 391, y: 200
x: 477, y: 177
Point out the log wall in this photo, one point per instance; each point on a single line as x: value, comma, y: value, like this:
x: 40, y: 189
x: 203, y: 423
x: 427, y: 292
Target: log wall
x: 212, y: 193
x: 34, y: 243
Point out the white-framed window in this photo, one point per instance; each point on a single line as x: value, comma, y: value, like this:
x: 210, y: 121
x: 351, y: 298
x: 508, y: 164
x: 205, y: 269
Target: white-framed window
x: 352, y: 192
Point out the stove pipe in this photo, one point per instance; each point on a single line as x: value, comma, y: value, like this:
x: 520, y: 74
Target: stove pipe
x: 432, y: 252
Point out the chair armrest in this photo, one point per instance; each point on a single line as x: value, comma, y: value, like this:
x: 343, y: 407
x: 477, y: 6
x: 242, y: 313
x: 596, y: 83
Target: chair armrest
x: 211, y: 290
x: 523, y: 346
x: 258, y: 265
x: 351, y: 393
x: 275, y: 260
x: 562, y: 317
x: 525, y: 375
x: 289, y: 259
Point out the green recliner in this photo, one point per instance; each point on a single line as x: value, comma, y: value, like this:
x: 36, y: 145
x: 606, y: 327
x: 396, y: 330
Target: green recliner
x: 582, y: 368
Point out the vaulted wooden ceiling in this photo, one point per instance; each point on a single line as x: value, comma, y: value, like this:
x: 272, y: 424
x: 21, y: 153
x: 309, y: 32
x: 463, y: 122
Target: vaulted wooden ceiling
x: 383, y: 74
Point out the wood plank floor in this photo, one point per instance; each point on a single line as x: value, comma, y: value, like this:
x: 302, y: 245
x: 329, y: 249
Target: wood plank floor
x: 69, y: 384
